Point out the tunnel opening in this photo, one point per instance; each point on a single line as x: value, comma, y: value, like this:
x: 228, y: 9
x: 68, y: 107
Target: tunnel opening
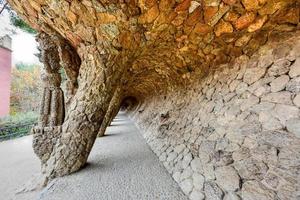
x: 129, y: 104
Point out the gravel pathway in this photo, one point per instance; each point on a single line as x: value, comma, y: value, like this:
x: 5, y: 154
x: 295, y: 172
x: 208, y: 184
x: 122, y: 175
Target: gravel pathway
x: 121, y: 167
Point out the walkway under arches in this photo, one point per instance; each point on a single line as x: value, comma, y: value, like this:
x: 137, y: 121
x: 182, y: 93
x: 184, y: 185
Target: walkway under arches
x: 121, y: 166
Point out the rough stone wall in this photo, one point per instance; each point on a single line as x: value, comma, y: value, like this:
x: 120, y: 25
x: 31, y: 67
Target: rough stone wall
x: 150, y: 46
x: 234, y: 134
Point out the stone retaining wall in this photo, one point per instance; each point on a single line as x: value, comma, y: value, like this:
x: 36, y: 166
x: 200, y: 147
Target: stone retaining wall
x: 236, y: 133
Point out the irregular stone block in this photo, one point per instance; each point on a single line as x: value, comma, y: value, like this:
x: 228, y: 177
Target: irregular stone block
x: 198, y: 181
x: 197, y: 195
x: 227, y: 178
x: 253, y: 74
x: 212, y: 191
x: 296, y: 100
x: 251, y: 169
x: 187, y: 186
x: 293, y: 126
x: 279, y: 67
x: 187, y: 173
x: 276, y: 138
x: 283, y: 97
x: 294, y: 85
x: 285, y: 112
x: 251, y: 4
x: 231, y: 196
x: 245, y: 20
x: 254, y: 190
x: 197, y: 165
x: 295, y: 69
x: 279, y: 83
x: 268, y: 121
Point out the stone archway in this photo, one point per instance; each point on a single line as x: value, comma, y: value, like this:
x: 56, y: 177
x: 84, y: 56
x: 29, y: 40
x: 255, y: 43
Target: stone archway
x: 200, y: 68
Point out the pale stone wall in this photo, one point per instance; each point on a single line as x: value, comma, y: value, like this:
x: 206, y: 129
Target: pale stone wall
x: 234, y: 134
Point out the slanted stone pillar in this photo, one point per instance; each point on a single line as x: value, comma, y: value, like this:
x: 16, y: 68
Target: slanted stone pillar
x: 115, y: 111
x: 52, y: 104
x: 112, y: 110
x: 63, y: 142
x: 70, y: 62
x: 52, y: 112
x: 99, y: 76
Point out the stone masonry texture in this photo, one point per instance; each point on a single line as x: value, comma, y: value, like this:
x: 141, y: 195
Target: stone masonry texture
x: 234, y: 134
x: 214, y: 85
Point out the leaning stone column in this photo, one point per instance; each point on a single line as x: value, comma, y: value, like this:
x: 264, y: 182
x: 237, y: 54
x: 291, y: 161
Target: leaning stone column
x: 48, y: 130
x: 115, y: 111
x: 57, y: 107
x: 114, y: 106
x: 52, y: 104
x: 99, y: 76
x: 44, y: 107
x: 70, y: 61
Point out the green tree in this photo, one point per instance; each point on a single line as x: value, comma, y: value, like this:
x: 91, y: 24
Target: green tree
x: 25, y: 88
x: 25, y: 67
x: 19, y: 23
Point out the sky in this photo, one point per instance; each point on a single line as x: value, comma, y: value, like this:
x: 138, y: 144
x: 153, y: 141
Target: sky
x: 24, y: 45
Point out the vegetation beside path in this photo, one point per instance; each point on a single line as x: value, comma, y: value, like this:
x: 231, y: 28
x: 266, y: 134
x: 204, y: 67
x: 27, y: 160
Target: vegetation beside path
x: 24, y: 102
x: 17, y: 125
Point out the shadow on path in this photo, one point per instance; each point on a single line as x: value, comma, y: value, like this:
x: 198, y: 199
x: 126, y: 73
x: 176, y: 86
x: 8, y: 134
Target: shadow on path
x: 121, y: 167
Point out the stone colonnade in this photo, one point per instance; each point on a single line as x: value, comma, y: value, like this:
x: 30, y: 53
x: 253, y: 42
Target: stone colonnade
x: 66, y: 130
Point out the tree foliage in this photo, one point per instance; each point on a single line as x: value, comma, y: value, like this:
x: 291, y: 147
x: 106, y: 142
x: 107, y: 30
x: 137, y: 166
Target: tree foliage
x: 19, y: 23
x: 25, y: 88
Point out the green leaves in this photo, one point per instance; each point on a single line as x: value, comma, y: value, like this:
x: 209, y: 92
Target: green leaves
x: 19, y: 23
x: 25, y: 88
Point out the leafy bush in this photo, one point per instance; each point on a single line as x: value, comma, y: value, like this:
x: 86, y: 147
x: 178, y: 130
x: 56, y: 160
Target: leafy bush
x: 19, y: 23
x: 29, y: 117
x: 25, y: 88
x: 17, y: 125
x: 25, y: 97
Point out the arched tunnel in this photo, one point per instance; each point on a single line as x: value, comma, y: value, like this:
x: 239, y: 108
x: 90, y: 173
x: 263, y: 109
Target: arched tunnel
x: 129, y: 103
x: 213, y: 85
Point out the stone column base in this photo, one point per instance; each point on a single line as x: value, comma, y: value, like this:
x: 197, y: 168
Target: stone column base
x: 44, y: 139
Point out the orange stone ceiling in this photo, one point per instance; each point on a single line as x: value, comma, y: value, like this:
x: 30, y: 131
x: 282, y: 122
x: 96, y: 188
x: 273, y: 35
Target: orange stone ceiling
x: 171, y: 41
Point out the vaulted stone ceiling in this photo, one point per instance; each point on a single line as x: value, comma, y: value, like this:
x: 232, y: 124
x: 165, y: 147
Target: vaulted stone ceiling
x: 170, y: 41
